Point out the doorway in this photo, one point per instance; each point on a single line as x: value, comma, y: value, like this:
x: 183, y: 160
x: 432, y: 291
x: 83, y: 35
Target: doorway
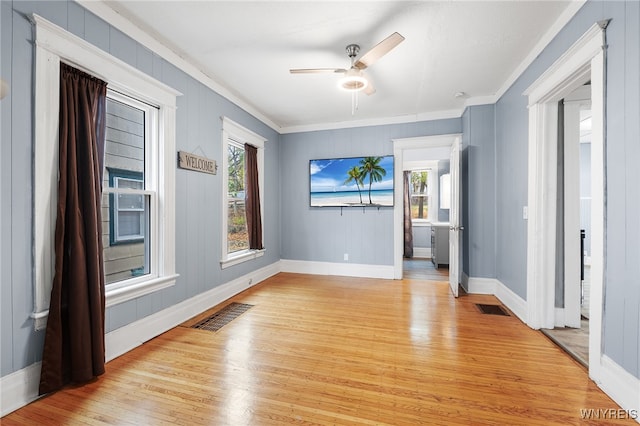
x: 425, y: 148
x: 423, y: 211
x: 581, y: 63
x: 573, y: 230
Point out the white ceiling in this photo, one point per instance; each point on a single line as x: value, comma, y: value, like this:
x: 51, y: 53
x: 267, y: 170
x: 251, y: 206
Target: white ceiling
x: 247, y: 49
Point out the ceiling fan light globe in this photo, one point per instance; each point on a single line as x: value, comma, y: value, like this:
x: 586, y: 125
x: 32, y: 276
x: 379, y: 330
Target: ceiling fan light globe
x: 353, y: 81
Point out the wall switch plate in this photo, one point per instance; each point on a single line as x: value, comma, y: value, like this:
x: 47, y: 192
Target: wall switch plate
x: 346, y: 256
x: 525, y: 212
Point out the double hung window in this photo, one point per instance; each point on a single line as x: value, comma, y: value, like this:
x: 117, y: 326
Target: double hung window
x: 138, y: 202
x: 236, y: 189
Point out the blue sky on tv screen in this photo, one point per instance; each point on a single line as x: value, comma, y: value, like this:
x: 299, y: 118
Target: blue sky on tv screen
x: 329, y: 175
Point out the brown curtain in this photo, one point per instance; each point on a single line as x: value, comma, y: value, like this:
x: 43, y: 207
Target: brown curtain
x: 74, y: 339
x: 252, y: 197
x: 406, y: 204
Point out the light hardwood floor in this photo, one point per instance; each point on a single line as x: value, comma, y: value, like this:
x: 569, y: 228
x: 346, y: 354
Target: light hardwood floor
x: 337, y: 351
x: 423, y: 269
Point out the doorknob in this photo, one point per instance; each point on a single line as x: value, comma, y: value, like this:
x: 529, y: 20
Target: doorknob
x: 456, y: 228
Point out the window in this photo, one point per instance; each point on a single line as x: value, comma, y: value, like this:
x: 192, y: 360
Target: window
x: 144, y: 206
x: 235, y: 231
x: 420, y: 189
x: 128, y: 188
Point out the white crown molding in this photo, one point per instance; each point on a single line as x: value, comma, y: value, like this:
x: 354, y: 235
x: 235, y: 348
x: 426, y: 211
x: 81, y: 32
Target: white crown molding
x: 103, y: 11
x: 401, y: 119
x: 557, y: 26
x: 481, y: 100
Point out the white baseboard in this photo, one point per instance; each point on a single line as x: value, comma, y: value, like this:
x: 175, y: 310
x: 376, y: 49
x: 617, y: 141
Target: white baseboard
x: 343, y: 269
x: 621, y: 386
x: 132, y: 335
x: 515, y: 303
x: 512, y: 301
x: 21, y: 387
x: 422, y: 252
x: 481, y: 285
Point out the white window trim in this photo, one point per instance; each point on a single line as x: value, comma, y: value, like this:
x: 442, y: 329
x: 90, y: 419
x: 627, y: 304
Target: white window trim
x: 233, y: 132
x: 54, y: 45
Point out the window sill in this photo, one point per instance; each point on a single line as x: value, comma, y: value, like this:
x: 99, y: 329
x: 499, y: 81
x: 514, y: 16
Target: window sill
x: 241, y: 257
x: 123, y: 293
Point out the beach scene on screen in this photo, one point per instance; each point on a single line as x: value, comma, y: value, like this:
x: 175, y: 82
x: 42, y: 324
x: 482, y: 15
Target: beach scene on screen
x: 355, y: 181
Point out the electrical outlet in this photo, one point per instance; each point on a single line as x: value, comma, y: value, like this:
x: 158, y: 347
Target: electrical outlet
x: 525, y: 212
x: 346, y: 256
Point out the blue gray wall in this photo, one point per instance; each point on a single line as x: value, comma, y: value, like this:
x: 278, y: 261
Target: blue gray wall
x: 621, y: 322
x: 478, y: 176
x: 198, y: 221
x: 325, y: 234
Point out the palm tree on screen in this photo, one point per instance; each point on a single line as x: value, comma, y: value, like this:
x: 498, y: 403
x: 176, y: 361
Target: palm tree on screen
x: 370, y: 166
x: 355, y: 174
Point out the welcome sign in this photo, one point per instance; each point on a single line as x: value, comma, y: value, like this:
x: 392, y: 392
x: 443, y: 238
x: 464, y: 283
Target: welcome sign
x: 199, y: 164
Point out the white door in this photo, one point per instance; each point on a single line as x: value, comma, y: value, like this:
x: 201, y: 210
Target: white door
x: 455, y: 226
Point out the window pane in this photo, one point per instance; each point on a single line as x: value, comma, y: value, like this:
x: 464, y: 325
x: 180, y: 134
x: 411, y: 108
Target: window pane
x: 124, y: 142
x: 237, y: 235
x: 130, y: 202
x: 130, y: 224
x: 419, y: 194
x: 130, y: 256
x: 126, y: 217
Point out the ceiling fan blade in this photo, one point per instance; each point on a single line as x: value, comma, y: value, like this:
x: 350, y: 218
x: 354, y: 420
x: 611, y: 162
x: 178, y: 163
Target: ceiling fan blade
x: 370, y: 89
x: 317, y: 71
x: 378, y: 51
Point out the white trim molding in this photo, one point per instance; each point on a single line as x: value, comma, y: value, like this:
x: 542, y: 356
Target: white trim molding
x: 104, y: 11
x: 53, y: 45
x: 621, y: 386
x: 341, y: 269
x: 504, y: 294
x: 582, y: 62
x: 124, y: 339
x: 422, y: 252
x: 19, y: 388
x: 234, y: 133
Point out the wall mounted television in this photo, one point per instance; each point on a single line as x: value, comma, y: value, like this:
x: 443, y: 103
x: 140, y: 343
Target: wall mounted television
x: 352, y: 181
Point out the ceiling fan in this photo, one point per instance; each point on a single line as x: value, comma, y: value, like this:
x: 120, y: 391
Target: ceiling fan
x: 354, y: 79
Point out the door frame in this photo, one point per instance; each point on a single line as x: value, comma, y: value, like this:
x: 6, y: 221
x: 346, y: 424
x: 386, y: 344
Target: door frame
x: 399, y: 146
x: 582, y: 62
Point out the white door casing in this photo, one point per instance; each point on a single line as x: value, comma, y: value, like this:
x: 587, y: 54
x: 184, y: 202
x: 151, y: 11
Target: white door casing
x: 584, y: 61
